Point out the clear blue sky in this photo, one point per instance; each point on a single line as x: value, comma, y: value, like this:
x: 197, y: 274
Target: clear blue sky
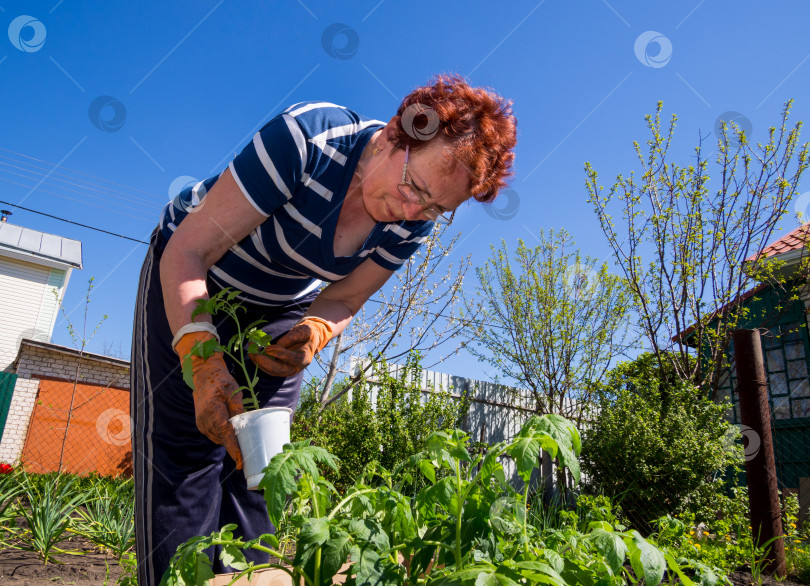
x: 192, y: 81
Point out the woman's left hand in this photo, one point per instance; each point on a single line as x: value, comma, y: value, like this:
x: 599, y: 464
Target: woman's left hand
x: 295, y: 350
x: 337, y: 303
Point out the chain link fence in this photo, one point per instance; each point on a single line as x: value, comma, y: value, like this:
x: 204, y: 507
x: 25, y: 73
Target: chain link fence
x: 79, y: 428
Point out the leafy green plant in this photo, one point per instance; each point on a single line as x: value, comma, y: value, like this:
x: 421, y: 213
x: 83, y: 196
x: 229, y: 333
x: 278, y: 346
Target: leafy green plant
x: 250, y: 339
x: 129, y: 565
x: 48, y: 515
x: 797, y: 553
x: 55, y: 506
x: 10, y: 489
x: 387, y: 420
x: 758, y: 557
x: 468, y: 526
x: 107, y: 519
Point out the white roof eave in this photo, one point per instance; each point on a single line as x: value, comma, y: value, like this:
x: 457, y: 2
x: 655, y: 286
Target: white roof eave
x: 40, y: 259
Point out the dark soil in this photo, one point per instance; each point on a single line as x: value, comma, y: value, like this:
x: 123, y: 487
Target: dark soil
x: 25, y: 568
x: 745, y: 579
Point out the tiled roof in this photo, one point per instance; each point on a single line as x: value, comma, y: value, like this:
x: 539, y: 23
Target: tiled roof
x: 787, y: 243
x: 39, y: 245
x: 794, y: 240
x: 684, y: 335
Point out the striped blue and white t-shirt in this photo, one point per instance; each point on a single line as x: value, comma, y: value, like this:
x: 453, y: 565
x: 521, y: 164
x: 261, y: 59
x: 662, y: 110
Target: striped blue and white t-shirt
x: 296, y: 172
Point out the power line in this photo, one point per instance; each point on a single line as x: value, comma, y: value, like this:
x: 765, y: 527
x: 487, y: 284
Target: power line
x: 107, y: 193
x: 84, y: 194
x: 81, y: 201
x: 378, y: 301
x: 78, y: 172
x: 103, y: 189
x: 14, y: 205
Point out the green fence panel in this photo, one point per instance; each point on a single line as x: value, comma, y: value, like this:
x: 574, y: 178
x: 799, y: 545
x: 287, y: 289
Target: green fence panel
x: 792, y: 451
x: 7, y: 382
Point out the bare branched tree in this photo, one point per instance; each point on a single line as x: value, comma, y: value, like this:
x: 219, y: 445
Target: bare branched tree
x: 112, y: 348
x: 413, y: 313
x: 684, y: 238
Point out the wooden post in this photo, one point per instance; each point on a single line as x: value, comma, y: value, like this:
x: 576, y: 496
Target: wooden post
x: 760, y: 464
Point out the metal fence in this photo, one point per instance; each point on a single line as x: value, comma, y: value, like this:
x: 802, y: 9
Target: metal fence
x: 79, y: 428
x: 495, y: 412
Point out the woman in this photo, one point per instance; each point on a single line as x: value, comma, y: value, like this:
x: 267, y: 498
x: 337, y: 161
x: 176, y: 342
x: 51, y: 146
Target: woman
x: 320, y: 194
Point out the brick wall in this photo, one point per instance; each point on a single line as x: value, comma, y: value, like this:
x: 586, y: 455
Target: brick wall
x: 19, y: 415
x: 40, y: 360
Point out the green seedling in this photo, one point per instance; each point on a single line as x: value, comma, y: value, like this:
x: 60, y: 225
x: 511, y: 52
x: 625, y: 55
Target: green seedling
x: 246, y: 340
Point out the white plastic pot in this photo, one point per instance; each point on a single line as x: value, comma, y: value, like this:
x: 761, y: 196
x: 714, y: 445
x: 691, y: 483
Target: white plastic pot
x: 261, y: 434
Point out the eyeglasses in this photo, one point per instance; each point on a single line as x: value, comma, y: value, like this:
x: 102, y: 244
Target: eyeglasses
x: 414, y: 195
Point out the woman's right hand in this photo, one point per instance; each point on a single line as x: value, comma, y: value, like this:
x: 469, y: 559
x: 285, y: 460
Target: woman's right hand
x: 216, y: 395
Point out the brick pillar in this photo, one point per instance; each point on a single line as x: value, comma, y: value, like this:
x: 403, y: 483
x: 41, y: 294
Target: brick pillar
x: 19, y: 416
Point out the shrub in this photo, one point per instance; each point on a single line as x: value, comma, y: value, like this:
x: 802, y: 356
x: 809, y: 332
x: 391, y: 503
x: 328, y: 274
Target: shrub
x: 657, y: 444
x: 386, y: 420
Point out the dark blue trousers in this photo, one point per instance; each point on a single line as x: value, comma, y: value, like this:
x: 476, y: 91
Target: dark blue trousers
x: 186, y: 485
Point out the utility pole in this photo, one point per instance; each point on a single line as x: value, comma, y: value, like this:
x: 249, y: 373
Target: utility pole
x: 760, y: 465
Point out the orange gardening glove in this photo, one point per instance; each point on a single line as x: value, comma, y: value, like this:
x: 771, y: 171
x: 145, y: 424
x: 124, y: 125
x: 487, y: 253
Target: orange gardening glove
x: 296, y: 349
x: 215, y: 396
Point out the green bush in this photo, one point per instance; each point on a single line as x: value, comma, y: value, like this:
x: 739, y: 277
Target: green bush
x: 657, y: 445
x: 387, y: 426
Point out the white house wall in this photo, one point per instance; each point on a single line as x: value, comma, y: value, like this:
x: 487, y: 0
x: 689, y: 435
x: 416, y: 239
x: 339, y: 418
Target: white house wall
x: 23, y: 286
x: 52, y: 294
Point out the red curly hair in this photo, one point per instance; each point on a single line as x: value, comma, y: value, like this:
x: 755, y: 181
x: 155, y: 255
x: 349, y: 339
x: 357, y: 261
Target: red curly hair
x: 477, y: 124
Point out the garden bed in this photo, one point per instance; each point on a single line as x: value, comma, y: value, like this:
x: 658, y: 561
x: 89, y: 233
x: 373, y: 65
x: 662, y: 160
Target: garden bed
x: 745, y: 578
x: 90, y: 567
